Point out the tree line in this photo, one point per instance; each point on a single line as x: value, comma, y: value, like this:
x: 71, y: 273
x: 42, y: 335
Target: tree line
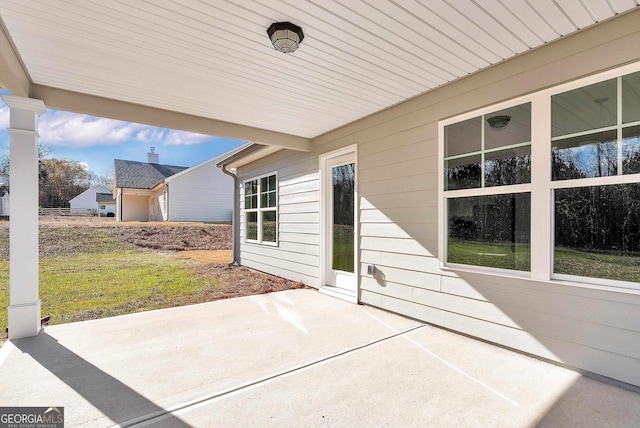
x: 343, y: 194
x: 594, y: 218
x: 597, y: 218
x: 60, y: 180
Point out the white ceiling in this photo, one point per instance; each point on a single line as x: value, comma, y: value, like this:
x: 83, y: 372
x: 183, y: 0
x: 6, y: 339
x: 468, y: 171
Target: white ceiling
x: 212, y: 58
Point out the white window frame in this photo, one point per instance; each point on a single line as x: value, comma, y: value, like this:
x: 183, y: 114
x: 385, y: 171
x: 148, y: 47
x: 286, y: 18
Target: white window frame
x: 541, y: 188
x: 260, y: 210
x: 479, y: 191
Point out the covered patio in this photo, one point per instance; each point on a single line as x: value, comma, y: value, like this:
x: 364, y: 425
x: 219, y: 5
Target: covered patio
x: 373, y: 81
x: 294, y: 358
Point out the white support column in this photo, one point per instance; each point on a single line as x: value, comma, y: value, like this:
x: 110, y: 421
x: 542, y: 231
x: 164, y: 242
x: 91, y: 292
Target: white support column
x: 24, y: 303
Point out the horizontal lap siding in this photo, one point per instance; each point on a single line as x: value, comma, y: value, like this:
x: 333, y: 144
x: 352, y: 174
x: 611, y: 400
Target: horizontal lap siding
x: 204, y: 193
x: 592, y: 329
x: 297, y: 255
x: 595, y: 329
x: 86, y: 200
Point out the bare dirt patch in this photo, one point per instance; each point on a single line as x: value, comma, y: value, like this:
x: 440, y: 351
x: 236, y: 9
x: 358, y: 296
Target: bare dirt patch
x: 74, y: 251
x: 208, y: 245
x: 60, y: 235
x: 218, y: 257
x: 238, y: 281
x: 177, y: 236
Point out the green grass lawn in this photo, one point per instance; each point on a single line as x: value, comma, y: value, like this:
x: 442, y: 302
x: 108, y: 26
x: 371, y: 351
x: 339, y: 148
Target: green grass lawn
x: 490, y: 254
x: 608, y: 266
x: 566, y: 260
x: 343, y: 248
x: 88, y: 273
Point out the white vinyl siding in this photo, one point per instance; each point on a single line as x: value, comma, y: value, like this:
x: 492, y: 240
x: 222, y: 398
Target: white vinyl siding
x: 86, y: 200
x: 202, y: 193
x: 155, y: 205
x: 163, y: 205
x: 5, y: 207
x: 586, y: 326
x: 297, y: 255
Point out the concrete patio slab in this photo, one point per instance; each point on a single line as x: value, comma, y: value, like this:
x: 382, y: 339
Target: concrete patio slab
x: 294, y: 358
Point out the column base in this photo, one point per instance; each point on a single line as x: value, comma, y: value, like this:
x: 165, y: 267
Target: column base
x: 24, y: 320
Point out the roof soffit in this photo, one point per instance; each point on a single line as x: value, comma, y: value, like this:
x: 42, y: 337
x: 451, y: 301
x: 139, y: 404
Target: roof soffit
x: 213, y: 62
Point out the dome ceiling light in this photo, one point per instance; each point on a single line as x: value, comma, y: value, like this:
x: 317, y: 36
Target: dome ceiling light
x: 499, y: 122
x: 285, y: 36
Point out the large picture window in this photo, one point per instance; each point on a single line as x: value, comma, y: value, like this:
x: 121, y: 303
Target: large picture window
x: 261, y: 209
x: 597, y: 232
x: 550, y: 186
x: 595, y: 151
x: 490, y: 231
x: 489, y: 228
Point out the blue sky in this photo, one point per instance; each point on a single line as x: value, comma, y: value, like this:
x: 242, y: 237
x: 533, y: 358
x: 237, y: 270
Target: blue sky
x: 96, y: 142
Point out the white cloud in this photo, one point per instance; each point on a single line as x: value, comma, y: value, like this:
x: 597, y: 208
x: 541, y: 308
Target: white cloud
x: 150, y: 135
x: 170, y: 137
x: 4, y: 116
x: 70, y: 129
x: 85, y: 165
x: 178, y: 138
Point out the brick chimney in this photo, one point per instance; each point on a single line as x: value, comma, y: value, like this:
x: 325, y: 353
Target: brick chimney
x: 152, y: 156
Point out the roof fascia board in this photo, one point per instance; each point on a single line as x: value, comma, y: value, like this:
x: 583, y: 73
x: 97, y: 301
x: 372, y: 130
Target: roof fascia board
x: 216, y: 159
x: 13, y: 75
x: 136, y: 192
x: 77, y: 102
x: 259, y: 154
x: 158, y: 186
x: 247, y: 155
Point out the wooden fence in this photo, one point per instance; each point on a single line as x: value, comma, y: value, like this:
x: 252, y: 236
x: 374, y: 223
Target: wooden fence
x: 66, y: 211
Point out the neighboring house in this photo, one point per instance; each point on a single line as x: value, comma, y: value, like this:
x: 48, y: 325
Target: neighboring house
x: 85, y: 202
x: 452, y: 206
x: 471, y: 164
x: 4, y: 203
x: 105, y: 204
x: 150, y: 191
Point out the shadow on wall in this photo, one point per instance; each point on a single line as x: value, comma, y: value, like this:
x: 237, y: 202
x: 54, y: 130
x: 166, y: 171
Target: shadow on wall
x: 593, y: 330
x: 582, y: 328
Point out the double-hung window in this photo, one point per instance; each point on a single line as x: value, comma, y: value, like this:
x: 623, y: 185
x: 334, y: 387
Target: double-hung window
x: 261, y: 209
x: 547, y: 185
x: 487, y: 171
x: 595, y: 161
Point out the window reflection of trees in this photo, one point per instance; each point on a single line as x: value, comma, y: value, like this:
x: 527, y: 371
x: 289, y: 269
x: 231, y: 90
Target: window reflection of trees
x: 343, y: 194
x: 596, y: 134
x: 343, y: 217
x: 599, y: 218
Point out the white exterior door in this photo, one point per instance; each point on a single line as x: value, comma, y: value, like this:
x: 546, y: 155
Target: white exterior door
x: 340, y: 264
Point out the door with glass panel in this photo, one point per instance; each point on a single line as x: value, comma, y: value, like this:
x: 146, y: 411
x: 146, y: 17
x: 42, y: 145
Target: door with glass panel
x: 340, y: 225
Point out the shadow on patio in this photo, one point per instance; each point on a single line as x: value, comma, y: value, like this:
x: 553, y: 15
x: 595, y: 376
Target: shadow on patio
x: 108, y: 395
x: 294, y: 358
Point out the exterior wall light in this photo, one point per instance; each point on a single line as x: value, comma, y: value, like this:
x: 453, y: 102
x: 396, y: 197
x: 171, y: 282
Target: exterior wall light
x: 285, y: 36
x: 498, y: 122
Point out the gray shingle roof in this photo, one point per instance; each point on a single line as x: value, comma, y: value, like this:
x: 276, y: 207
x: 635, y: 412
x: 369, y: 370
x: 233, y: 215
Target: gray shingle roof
x: 105, y: 197
x: 142, y: 175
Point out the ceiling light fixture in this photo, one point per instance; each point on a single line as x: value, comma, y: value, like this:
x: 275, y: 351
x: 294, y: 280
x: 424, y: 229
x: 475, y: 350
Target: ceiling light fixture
x: 498, y: 122
x: 285, y: 36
